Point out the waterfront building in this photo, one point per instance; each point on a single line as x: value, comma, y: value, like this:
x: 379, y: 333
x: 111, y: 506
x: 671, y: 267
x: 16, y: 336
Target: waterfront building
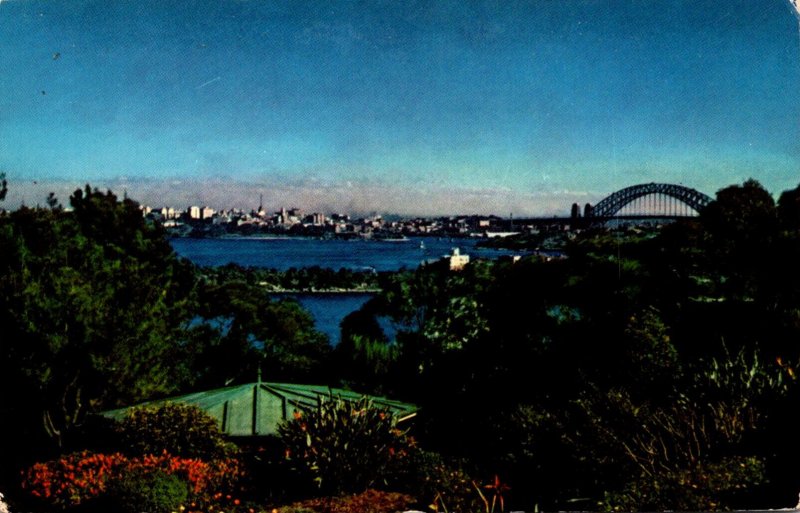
x: 457, y: 260
x: 317, y: 219
x: 206, y: 213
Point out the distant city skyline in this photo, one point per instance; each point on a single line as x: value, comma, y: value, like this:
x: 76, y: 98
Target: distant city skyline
x: 428, y: 108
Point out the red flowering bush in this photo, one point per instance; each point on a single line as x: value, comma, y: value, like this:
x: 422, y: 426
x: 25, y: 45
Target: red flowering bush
x: 74, y: 478
x: 229, y: 503
x: 203, y: 476
x: 78, y: 477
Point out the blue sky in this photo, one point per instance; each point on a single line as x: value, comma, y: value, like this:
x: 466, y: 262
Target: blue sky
x: 409, y: 107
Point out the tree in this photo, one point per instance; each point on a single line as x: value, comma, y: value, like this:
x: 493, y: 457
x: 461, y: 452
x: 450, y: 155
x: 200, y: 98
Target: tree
x: 3, y: 186
x: 52, y: 201
x: 786, y: 254
x: 652, y: 359
x: 364, y: 358
x: 741, y: 215
x: 244, y: 329
x: 789, y: 209
x: 93, y: 303
x: 741, y: 226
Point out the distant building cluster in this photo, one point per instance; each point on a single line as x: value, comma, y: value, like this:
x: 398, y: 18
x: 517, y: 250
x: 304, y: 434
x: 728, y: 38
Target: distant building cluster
x: 197, y: 215
x: 206, y: 221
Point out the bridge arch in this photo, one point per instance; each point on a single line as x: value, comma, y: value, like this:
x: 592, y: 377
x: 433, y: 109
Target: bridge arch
x: 613, y: 203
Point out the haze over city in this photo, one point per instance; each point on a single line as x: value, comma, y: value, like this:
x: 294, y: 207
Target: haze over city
x: 411, y: 108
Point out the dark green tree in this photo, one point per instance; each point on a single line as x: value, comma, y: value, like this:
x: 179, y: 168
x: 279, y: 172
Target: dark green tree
x: 52, y: 201
x: 741, y: 215
x: 741, y: 226
x: 364, y: 359
x: 92, y: 303
x: 244, y: 330
x: 3, y: 186
x: 789, y: 209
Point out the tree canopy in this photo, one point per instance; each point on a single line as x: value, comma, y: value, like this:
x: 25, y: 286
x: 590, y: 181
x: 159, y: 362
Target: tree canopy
x: 97, y: 311
x: 93, y: 302
x: 648, y: 370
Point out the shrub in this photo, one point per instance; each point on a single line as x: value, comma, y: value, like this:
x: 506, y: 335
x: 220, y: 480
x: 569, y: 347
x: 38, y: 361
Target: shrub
x: 370, y: 501
x: 77, y: 478
x: 344, y: 446
x: 447, y: 486
x: 179, y: 429
x: 153, y: 491
x: 203, y: 477
x: 707, y: 487
x: 229, y: 503
x: 72, y: 479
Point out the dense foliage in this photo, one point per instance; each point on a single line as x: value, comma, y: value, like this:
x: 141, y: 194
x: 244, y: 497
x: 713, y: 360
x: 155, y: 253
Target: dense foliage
x: 97, y: 312
x: 171, y: 458
x: 307, y: 279
x: 648, y: 370
x: 344, y: 446
x: 78, y: 478
x: 651, y: 369
x: 370, y: 501
x: 178, y: 429
x: 240, y: 330
x: 92, y: 302
x: 154, y: 492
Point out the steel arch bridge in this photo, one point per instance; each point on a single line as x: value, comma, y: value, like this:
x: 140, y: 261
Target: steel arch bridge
x: 611, y: 205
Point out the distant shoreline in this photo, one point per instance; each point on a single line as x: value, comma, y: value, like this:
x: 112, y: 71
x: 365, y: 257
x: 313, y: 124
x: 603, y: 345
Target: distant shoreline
x: 234, y: 236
